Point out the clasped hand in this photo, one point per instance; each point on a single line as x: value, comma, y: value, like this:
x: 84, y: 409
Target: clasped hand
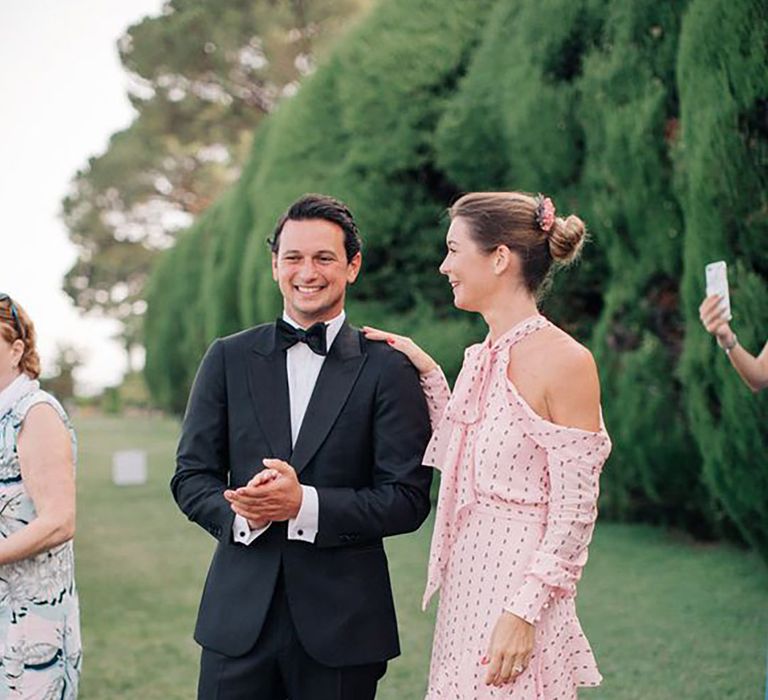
x: 274, y: 494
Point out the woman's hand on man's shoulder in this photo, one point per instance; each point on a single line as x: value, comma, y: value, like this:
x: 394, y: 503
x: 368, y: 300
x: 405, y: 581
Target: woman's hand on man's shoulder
x: 420, y: 359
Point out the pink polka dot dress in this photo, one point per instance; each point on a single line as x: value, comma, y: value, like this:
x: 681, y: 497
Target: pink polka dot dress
x: 515, y: 515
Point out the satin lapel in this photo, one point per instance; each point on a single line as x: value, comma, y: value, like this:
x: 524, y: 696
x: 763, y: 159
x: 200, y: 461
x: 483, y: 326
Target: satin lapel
x: 268, y: 384
x: 337, y: 377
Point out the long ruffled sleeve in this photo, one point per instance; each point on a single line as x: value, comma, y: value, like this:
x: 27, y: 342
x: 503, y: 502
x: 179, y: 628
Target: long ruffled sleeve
x: 437, y: 392
x: 575, y: 459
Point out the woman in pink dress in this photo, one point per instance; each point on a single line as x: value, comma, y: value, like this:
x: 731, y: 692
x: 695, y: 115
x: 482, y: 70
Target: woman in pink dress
x: 520, y: 443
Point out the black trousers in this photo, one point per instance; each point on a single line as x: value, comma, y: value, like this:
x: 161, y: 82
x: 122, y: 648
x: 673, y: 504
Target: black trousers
x: 278, y: 667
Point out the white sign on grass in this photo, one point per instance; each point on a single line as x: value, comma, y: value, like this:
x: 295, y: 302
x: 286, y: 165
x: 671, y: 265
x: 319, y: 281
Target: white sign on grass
x: 129, y: 467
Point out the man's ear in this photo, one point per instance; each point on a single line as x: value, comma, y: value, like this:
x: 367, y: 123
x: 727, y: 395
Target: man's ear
x: 274, y: 266
x: 353, y: 267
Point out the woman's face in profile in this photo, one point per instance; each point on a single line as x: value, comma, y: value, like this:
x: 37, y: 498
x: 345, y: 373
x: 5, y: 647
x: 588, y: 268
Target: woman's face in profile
x: 468, y: 268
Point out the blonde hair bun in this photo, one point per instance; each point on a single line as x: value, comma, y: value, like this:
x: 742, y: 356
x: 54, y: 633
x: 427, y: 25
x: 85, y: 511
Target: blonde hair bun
x: 566, y: 239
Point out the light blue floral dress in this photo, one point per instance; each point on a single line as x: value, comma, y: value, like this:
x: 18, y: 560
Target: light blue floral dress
x: 40, y: 650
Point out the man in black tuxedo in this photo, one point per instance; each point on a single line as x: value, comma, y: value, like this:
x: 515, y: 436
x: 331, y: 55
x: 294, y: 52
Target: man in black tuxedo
x: 300, y: 450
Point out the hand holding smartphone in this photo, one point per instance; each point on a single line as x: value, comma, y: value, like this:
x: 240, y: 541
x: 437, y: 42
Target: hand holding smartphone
x: 716, y: 274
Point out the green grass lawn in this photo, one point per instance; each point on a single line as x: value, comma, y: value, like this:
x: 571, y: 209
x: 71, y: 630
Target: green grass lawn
x: 668, y: 619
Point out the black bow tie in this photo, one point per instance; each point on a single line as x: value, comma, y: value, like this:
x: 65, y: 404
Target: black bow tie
x: 314, y: 336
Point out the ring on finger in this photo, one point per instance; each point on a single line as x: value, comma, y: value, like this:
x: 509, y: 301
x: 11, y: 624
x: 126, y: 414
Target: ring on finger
x: 518, y: 668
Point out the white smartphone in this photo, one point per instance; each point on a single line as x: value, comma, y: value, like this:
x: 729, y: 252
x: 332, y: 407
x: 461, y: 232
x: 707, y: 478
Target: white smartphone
x: 717, y: 283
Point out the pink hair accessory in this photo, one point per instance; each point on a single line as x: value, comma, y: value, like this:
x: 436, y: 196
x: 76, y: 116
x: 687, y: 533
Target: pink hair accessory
x: 545, y: 213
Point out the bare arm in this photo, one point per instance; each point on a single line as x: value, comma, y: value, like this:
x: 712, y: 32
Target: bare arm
x: 753, y: 370
x: 573, y: 394
x: 47, y: 470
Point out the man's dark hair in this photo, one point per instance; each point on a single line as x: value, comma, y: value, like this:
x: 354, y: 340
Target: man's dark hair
x: 321, y: 206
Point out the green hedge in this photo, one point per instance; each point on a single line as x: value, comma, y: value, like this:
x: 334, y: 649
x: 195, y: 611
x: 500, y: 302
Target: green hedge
x: 174, y: 322
x: 513, y: 124
x: 647, y: 119
x: 723, y: 186
x: 629, y: 113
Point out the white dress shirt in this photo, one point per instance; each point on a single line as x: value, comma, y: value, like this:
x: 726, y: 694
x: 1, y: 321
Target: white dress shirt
x: 303, y: 368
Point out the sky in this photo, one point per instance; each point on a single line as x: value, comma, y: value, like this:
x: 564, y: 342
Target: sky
x: 62, y: 95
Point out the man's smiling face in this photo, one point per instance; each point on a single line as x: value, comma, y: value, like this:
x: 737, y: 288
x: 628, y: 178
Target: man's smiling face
x: 312, y: 270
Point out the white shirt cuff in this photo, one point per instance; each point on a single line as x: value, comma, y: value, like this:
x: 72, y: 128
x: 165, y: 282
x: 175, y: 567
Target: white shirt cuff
x: 242, y: 532
x: 304, y: 525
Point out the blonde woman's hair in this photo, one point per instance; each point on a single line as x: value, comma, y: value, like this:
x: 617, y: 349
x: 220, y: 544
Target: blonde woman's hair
x: 514, y: 219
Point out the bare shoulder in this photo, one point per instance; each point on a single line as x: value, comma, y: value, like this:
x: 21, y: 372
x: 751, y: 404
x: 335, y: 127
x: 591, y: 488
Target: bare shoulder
x: 43, y: 422
x: 570, y: 359
x: 559, y: 353
x: 572, y: 382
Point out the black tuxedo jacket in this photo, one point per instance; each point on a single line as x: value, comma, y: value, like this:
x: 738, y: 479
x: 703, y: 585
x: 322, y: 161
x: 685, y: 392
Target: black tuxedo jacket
x: 360, y: 445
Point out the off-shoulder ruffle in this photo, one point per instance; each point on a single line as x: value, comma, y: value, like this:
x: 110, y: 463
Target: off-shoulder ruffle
x: 586, y: 445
